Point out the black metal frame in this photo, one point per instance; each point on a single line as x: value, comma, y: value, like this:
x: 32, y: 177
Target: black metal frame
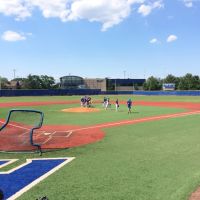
x: 32, y: 129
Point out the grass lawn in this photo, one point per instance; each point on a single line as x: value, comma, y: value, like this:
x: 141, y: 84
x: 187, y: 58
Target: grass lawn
x: 147, y: 161
x: 54, y: 115
x: 100, y: 97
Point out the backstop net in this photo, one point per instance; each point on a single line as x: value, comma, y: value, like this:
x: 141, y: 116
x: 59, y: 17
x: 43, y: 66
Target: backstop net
x: 19, y: 131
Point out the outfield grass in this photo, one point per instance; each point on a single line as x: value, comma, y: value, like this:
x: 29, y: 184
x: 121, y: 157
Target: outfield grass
x: 100, y: 97
x: 150, y: 161
x: 55, y: 116
x: 147, y: 161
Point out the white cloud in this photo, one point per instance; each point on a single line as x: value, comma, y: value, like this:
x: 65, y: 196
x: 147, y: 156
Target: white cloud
x: 17, y: 8
x: 106, y: 12
x: 188, y: 3
x: 12, y: 36
x: 172, y: 38
x: 136, y: 1
x: 51, y: 8
x: 154, y: 41
x: 146, y: 9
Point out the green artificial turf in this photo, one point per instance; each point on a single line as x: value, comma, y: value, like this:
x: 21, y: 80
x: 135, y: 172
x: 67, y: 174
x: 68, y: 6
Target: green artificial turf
x: 54, y: 115
x: 147, y: 161
x: 100, y: 97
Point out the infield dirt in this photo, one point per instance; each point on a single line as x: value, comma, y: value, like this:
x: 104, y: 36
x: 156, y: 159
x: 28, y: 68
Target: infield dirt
x: 81, y: 110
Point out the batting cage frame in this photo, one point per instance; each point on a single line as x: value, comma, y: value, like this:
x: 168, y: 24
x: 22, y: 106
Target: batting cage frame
x: 32, y: 128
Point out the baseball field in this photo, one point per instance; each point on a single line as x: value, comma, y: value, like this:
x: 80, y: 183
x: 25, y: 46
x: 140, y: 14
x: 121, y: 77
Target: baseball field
x: 151, y: 154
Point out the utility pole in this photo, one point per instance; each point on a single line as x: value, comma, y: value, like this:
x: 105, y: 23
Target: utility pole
x: 124, y: 74
x: 14, y: 71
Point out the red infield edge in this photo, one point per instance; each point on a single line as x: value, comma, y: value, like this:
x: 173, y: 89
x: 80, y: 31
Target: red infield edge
x: 59, y: 137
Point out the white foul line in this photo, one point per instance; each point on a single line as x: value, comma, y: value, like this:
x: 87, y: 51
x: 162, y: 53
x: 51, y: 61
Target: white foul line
x: 139, y: 120
x: 123, y: 122
x: 16, y: 126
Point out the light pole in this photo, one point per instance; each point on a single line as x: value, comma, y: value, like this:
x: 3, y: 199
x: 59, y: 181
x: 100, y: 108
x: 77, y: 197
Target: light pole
x: 14, y: 71
x: 124, y: 74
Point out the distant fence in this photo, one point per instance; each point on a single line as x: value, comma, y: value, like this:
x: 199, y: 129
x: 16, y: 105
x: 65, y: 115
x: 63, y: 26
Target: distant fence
x: 154, y: 93
x: 60, y: 92
x: 168, y: 93
x: 56, y: 92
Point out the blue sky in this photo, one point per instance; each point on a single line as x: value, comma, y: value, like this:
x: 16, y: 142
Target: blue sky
x: 99, y: 38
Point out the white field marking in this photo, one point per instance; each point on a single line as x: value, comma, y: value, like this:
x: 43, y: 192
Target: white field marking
x: 10, y: 161
x: 24, y: 133
x: 38, y: 133
x: 45, y: 133
x: 139, y: 120
x: 69, y: 134
x: 127, y: 122
x: 16, y: 126
x: 42, y: 132
x: 30, y: 160
x: 42, y: 143
x: 54, y: 133
x: 25, y: 142
x: 19, y: 193
x: 51, y: 136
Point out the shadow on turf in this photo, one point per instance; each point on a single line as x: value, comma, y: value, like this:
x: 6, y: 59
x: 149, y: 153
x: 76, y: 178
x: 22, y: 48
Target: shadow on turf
x: 1, y: 195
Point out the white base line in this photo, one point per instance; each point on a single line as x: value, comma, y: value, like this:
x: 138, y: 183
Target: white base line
x: 139, y: 120
x: 52, y: 135
x: 124, y: 122
x: 16, y: 126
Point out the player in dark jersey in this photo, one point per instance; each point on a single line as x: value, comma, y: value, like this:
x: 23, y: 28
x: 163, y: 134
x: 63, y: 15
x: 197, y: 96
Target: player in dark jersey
x: 89, y: 102
x: 83, y: 101
x: 104, y: 102
x: 129, y: 105
x: 116, y: 104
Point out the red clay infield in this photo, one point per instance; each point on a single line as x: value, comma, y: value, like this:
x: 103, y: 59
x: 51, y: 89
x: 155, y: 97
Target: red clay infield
x: 54, y: 137
x: 16, y: 137
x: 81, y: 110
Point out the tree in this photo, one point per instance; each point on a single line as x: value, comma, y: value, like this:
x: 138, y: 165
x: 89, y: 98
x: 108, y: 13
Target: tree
x: 19, y: 82
x: 196, y: 82
x: 172, y: 79
x: 47, y: 82
x: 189, y: 82
x: 4, y: 82
x: 39, y: 82
x: 153, y: 83
x: 33, y: 82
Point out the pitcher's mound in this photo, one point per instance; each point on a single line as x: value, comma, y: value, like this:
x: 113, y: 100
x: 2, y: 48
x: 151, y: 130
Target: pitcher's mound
x: 81, y: 110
